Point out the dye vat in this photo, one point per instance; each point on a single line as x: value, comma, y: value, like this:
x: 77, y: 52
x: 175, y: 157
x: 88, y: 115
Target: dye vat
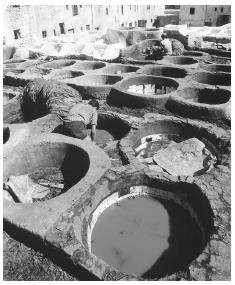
x: 147, y: 236
x: 175, y: 155
x: 150, y: 89
x: 219, y: 78
x: 42, y: 170
x: 180, y: 60
x: 167, y: 71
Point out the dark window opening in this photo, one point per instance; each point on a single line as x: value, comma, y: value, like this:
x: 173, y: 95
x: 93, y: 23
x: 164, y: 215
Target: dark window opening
x: 151, y: 20
x: 71, y: 31
x: 130, y: 7
x: 80, y: 6
x: 172, y: 6
x: 122, y: 9
x: 122, y: 25
x: 62, y: 29
x: 75, y: 10
x: 208, y: 24
x: 67, y: 7
x: 15, y: 6
x: 81, y: 29
x: 107, y: 11
x: 135, y: 24
x: 88, y: 27
x: 17, y: 34
x: 54, y: 32
x: 130, y: 25
x: 222, y: 9
x: 44, y: 34
x: 215, y: 9
x: 192, y: 11
x: 148, y: 7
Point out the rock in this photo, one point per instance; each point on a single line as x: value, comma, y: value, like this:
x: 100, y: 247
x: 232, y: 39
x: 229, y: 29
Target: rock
x: 155, y: 168
x: 25, y: 189
x: 7, y: 196
x: 185, y: 158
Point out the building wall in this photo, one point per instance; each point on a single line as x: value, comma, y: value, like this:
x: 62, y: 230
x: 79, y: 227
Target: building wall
x: 210, y: 15
x: 197, y: 19
x: 33, y: 20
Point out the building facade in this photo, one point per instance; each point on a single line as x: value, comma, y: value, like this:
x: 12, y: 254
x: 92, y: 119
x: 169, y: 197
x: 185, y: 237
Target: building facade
x: 25, y: 24
x: 205, y: 15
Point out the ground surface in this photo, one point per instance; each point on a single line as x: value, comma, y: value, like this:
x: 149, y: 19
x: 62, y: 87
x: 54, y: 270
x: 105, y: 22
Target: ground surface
x: 23, y: 263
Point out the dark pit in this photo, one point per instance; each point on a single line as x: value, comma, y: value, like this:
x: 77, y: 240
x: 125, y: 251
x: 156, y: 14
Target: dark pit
x: 220, y: 60
x: 56, y: 164
x: 216, y: 67
x: 88, y: 65
x: 222, y: 79
x: 119, y: 69
x: 193, y: 53
x: 181, y: 60
x: 166, y: 71
x: 205, y: 96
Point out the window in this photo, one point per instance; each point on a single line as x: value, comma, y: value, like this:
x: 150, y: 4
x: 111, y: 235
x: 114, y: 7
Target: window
x: 122, y: 25
x: 135, y: 24
x: 15, y: 6
x: 130, y: 25
x: 172, y: 7
x: 44, y: 34
x: 75, y: 10
x: 148, y: 7
x: 192, y: 11
x: 67, y: 7
x: 81, y: 29
x: 62, y: 30
x: 54, y: 32
x: 151, y: 20
x: 130, y: 7
x: 122, y: 9
x: 17, y: 34
x: 71, y: 31
x: 107, y: 11
x: 222, y: 10
x: 80, y: 6
x: 215, y: 9
x: 88, y: 27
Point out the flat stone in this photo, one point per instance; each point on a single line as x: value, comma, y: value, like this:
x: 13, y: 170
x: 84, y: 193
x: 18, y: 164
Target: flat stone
x: 185, y: 158
x: 25, y: 189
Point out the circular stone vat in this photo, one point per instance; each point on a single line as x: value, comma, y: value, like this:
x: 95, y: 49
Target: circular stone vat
x: 86, y: 65
x: 119, y: 69
x: 110, y: 127
x: 216, y: 67
x: 22, y: 77
x: 220, y: 60
x: 93, y: 85
x: 61, y: 165
x: 141, y: 91
x: 180, y: 60
x: 167, y: 71
x: 56, y: 64
x: 205, y: 96
x: 150, y: 232
x: 168, y: 137
x: 199, y: 103
x: 222, y: 79
x: 64, y: 74
x: 194, y: 53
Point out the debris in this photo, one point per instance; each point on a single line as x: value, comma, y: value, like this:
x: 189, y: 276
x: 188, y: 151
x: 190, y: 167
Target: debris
x: 186, y: 158
x: 25, y: 189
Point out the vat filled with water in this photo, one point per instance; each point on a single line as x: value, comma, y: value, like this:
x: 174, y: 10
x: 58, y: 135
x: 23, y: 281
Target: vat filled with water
x: 148, y: 236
